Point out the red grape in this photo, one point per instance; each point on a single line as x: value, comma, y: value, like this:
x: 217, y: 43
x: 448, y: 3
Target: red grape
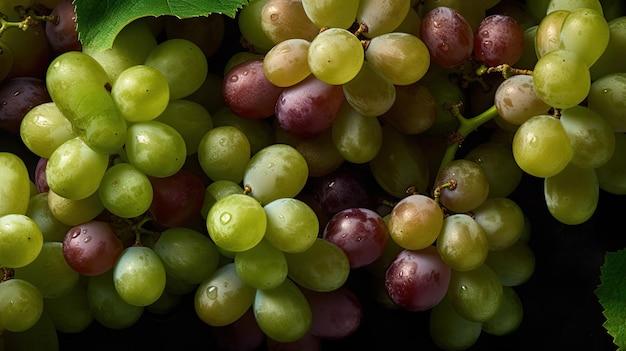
x: 41, y: 183
x: 177, y: 199
x: 18, y: 96
x: 499, y: 40
x: 447, y: 35
x: 91, y: 248
x: 336, y: 314
x: 62, y: 35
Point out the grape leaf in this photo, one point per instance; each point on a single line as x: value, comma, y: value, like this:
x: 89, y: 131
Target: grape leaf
x: 611, y: 292
x: 99, y: 21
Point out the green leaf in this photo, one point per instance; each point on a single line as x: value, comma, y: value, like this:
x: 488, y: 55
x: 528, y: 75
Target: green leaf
x: 99, y: 21
x: 611, y: 292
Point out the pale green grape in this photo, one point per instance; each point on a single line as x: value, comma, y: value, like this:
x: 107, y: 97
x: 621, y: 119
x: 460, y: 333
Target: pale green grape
x: 509, y: 316
x: 292, y: 225
x: 283, y: 20
x: 74, y: 170
x: 462, y: 243
x: 258, y: 131
x: 14, y: 184
x: 140, y: 93
x: 335, y: 56
x: 187, y: 254
x: 496, y: 159
x: 21, y: 240
x: 74, y: 212
x: 591, y: 136
x: 535, y: 143
x: 51, y: 228
x: 612, y: 60
x: 476, y: 294
x: 183, y: 64
x: 190, y: 119
x: 572, y: 195
x: 44, y: 128
x: 502, y: 221
x: 606, y: 97
x: 249, y: 23
x: 70, y: 312
x: 514, y: 265
x: 21, y: 305
x: 381, y: 16
x: 322, y: 267
x: 125, y: 191
x: 411, y: 23
x: 415, y: 222
x: 139, y: 276
x: 224, y: 153
x: 236, y: 222
x: 358, y: 138
x: 451, y: 331
x: 223, y: 298
x: 217, y: 190
x: 562, y: 79
x: 331, y: 13
x: 403, y: 58
x: 277, y: 170
x: 155, y: 148
x: 548, y: 36
x: 517, y: 100
x: 571, y: 5
x: 106, y: 305
x: 262, y: 267
x: 287, y: 62
x: 282, y: 313
x: 612, y: 175
x: 586, y: 32
x: 70, y: 69
x: 49, y: 272
x: 370, y: 92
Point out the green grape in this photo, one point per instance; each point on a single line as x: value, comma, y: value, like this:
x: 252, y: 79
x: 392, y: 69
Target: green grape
x: 21, y: 240
x: 277, y: 170
x: 166, y: 304
x: 209, y: 95
x: 462, y: 243
x: 224, y: 153
x: 548, y: 36
x: 514, y: 265
x: 236, y: 222
x: 411, y: 23
x: 258, y: 131
x: 586, y: 32
x: 358, y: 138
x: 107, y: 307
x: 139, y: 275
x: 611, y: 175
x: 606, y: 98
x: 591, y: 136
x: 468, y: 185
x: 292, y: 51
x: 242, y: 56
x: 249, y: 23
x: 187, y: 254
x: 534, y: 143
x: 572, y: 195
x: 14, y: 184
x: 403, y: 58
x: 41, y: 336
x: 381, y: 16
x: 415, y: 222
x: 283, y: 20
x: 183, y: 64
x: 413, y: 111
x: 282, y: 313
x: 502, y: 220
x: 49, y: 272
x: 611, y: 60
x: 74, y: 170
x: 70, y: 69
x: 155, y: 148
x: 400, y: 163
x: 292, y: 225
x: 51, y: 228
x: 262, y: 267
x: 571, y: 5
x: 44, y: 128
x: 445, y: 93
x: 322, y: 267
x: 529, y: 57
x: 125, y: 191
x: 21, y: 305
x: 140, y: 93
x: 176, y: 286
x: 223, y: 298
x: 509, y: 316
x: 190, y: 119
x: 370, y: 92
x: 74, y: 212
x: 70, y: 313
x: 556, y: 70
x: 449, y: 330
x: 331, y: 13
x: 475, y: 294
x: 217, y: 190
x: 496, y: 159
x: 335, y: 56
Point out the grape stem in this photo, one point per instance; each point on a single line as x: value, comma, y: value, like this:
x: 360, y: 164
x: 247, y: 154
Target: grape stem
x: 27, y: 22
x: 6, y: 273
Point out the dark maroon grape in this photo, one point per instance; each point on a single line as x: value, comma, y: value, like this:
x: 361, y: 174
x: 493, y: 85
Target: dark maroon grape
x: 242, y: 334
x: 447, y: 35
x: 341, y: 190
x: 499, y: 39
x: 41, y: 182
x: 248, y: 93
x: 336, y: 314
x: 62, y: 34
x: 91, y: 248
x: 177, y: 199
x: 18, y: 96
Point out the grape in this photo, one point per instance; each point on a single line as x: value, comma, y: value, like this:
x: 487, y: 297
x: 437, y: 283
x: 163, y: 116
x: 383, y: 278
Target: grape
x: 74, y: 212
x: 381, y: 16
x: 509, y: 316
x: 591, y: 136
x: 610, y: 61
x: 335, y: 56
x: 31, y: 51
x: 258, y: 131
x: 415, y: 222
x: 276, y: 171
x: 283, y: 313
x: 249, y: 23
x: 585, y: 32
x: 533, y: 141
x: 370, y: 92
x: 417, y: 280
x: 139, y: 275
x: 402, y: 57
x: 223, y: 153
x: 286, y: 19
x: 182, y: 63
x: 605, y: 99
x: 21, y: 305
x: 262, y: 267
x: 517, y: 100
x: 307, y: 342
x: 41, y: 336
x: 572, y: 195
x: 190, y: 119
x: 445, y: 93
x: 6, y: 60
x: 125, y: 191
x: 471, y: 185
x: 70, y: 312
x: 91, y: 248
x: 331, y: 13
x: 236, y: 222
x: 292, y: 225
x: 51, y: 228
x: 44, y: 128
x: 41, y: 183
x: 207, y: 32
x: 19, y: 95
x: 309, y: 107
x: 335, y: 314
x: 462, y: 242
x: 447, y: 35
x: 548, y: 36
x: 223, y: 298
x: 475, y: 294
x: 324, y: 266
x: 413, y: 111
x: 571, y: 5
x: 217, y: 190
x: 62, y: 35
x: 141, y: 93
x: 502, y: 221
x: 14, y: 184
x: 449, y: 330
x: 610, y: 175
x: 514, y: 265
x: 293, y: 51
x: 22, y: 240
x: 499, y: 39
x: 358, y: 138
x: 497, y: 161
x: 108, y: 308
x: 558, y: 69
x: 242, y: 334
x: 177, y: 199
x: 155, y: 148
x: 343, y: 189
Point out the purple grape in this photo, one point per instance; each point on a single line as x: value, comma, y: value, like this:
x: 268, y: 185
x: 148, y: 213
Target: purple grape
x: 336, y: 314
x: 62, y: 35
x: 92, y: 248
x: 499, y: 40
x: 447, y: 35
x: 18, y: 96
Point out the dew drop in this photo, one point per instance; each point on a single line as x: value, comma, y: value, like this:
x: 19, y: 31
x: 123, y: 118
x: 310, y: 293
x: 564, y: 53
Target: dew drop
x: 444, y: 46
x: 234, y: 78
x: 75, y: 233
x: 211, y: 292
x: 487, y: 43
x: 225, y: 217
x: 87, y: 239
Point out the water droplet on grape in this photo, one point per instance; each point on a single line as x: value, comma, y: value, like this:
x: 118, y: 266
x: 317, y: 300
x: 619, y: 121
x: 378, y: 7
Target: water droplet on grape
x: 444, y: 46
x: 234, y: 78
x: 75, y: 233
x: 487, y: 43
x: 87, y: 239
x: 225, y: 218
x: 211, y: 292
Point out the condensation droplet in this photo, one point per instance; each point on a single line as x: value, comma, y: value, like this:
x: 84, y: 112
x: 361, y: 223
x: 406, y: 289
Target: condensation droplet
x: 234, y: 78
x: 87, y: 239
x: 75, y: 233
x: 225, y: 217
x: 211, y: 292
